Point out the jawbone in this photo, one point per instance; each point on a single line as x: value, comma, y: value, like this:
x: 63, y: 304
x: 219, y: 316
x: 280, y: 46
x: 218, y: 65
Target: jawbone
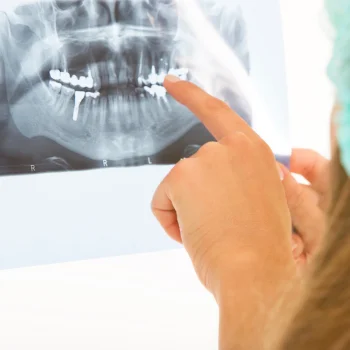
x: 103, y: 98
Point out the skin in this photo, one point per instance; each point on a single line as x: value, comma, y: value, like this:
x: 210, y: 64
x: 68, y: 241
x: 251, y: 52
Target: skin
x: 235, y: 225
x: 307, y: 204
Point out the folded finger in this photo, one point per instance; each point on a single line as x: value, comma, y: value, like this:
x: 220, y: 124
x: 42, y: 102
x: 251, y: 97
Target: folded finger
x: 312, y: 166
x: 165, y: 213
x: 307, y: 217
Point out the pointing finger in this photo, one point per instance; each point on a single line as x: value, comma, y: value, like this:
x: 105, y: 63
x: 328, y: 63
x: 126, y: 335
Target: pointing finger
x: 216, y: 115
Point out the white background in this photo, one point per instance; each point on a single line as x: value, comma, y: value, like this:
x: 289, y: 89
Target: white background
x: 154, y: 301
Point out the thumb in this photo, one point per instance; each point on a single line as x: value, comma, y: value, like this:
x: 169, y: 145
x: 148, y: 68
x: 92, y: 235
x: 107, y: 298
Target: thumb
x: 306, y: 215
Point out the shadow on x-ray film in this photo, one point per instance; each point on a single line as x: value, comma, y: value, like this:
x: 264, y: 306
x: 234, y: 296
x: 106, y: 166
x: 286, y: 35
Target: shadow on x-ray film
x: 82, y: 81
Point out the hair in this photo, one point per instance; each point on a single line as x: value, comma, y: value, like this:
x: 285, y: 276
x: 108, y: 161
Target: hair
x: 322, y: 319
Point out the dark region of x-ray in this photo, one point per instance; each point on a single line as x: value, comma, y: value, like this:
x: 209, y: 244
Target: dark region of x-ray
x: 81, y: 81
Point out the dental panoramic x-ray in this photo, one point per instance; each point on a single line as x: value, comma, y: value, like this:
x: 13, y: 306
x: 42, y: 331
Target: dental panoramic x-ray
x: 82, y: 89
x: 81, y: 80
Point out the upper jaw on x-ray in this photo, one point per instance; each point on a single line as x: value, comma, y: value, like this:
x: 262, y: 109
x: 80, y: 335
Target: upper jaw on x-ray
x: 88, y: 74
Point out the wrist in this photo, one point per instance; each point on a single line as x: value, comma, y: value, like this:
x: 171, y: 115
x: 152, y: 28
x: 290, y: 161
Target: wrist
x: 234, y: 272
x: 252, y: 294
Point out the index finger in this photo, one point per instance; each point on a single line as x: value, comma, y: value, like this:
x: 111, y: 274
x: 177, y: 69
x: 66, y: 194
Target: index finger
x: 216, y: 115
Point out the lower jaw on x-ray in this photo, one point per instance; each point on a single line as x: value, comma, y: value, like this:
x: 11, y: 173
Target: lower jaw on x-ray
x: 82, y: 81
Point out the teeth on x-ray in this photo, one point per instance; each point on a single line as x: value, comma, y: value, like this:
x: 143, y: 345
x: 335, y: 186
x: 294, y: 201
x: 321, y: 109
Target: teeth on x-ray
x: 150, y: 84
x: 74, y: 80
x: 64, y: 77
x: 55, y: 74
x: 55, y: 86
x: 156, y: 90
x: 92, y: 75
x: 93, y: 94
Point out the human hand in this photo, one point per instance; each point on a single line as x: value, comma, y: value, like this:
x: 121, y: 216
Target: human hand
x: 307, y: 203
x: 226, y: 203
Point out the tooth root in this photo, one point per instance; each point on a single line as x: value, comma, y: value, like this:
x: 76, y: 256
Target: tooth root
x: 87, y: 110
x: 67, y: 92
x: 146, y: 65
x: 163, y: 101
x: 153, y: 112
x: 93, y: 79
x: 89, y: 81
x: 153, y: 78
x: 79, y: 96
x: 123, y: 112
x: 64, y: 99
x: 163, y: 67
x: 141, y: 63
x: 103, y: 73
x: 123, y: 73
x: 113, y: 79
x: 134, y: 111
x: 64, y: 64
x: 112, y: 119
x: 102, y: 111
x: 140, y: 81
x: 166, y: 102
x: 55, y: 86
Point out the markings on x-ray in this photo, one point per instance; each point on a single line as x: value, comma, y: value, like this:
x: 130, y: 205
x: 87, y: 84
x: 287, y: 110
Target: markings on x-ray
x: 105, y: 163
x: 32, y: 168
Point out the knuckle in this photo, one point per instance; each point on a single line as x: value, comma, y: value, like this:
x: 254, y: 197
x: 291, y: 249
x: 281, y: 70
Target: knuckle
x: 263, y: 145
x: 296, y: 199
x: 237, y: 140
x: 180, y: 177
x: 181, y: 167
x: 312, y: 164
x: 215, y: 105
x: 208, y: 148
x: 265, y: 149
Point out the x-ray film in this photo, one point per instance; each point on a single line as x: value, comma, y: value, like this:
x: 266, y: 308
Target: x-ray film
x: 82, y: 89
x: 82, y: 81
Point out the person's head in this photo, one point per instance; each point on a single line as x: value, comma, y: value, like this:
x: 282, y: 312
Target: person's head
x: 322, y: 321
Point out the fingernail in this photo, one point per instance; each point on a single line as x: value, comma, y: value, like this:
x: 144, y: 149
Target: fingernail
x: 172, y: 78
